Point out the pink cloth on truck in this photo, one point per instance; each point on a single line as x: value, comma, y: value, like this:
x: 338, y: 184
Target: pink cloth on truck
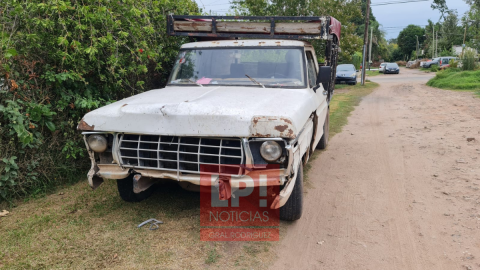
x: 204, y: 80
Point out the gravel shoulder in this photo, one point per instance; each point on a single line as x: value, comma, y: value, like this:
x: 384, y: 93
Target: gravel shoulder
x: 398, y: 188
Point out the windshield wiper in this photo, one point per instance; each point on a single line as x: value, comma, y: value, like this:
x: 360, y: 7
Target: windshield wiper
x: 254, y: 81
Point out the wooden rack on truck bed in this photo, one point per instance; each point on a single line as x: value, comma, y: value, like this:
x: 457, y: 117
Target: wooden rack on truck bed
x: 272, y: 27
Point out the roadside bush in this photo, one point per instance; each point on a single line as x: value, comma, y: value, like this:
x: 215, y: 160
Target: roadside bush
x: 453, y: 63
x: 401, y: 63
x: 434, y: 68
x: 357, y: 60
x: 468, y: 60
x: 454, y: 79
x: 59, y: 60
x: 415, y: 65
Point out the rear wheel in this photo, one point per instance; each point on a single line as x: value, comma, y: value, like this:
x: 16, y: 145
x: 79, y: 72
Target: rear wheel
x: 322, y: 144
x: 125, y: 189
x: 292, y: 210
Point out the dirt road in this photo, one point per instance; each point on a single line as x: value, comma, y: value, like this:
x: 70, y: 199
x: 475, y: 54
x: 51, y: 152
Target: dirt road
x: 398, y: 188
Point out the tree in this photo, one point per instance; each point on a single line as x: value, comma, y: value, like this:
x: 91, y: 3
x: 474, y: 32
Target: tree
x: 343, y: 10
x: 472, y: 21
x: 407, y: 40
x: 473, y: 3
x: 451, y: 33
x: 428, y: 44
x: 441, y: 6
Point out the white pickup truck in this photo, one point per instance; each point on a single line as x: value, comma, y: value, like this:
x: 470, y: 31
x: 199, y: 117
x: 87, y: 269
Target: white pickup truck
x: 237, y: 103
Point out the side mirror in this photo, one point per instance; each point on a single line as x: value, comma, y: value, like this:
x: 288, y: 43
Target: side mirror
x: 324, y: 75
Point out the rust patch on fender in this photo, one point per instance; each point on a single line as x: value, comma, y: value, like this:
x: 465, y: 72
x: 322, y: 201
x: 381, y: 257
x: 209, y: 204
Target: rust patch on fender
x: 258, y: 135
x: 286, y: 120
x: 281, y: 128
x: 84, y: 126
x: 271, y: 126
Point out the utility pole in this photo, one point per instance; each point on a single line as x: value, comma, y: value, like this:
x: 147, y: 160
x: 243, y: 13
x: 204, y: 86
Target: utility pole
x: 433, y: 48
x: 417, y: 48
x: 370, y: 51
x: 464, y: 40
x: 436, y: 46
x: 365, y: 40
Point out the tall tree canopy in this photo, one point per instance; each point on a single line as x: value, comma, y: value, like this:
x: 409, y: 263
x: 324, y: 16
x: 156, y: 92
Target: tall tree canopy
x: 407, y: 40
x: 451, y: 32
x: 441, y: 6
x: 473, y: 3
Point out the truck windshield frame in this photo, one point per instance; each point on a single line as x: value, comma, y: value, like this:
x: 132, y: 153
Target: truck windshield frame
x: 272, y: 67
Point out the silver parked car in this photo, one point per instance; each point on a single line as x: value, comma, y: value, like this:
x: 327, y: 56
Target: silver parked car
x: 381, y: 69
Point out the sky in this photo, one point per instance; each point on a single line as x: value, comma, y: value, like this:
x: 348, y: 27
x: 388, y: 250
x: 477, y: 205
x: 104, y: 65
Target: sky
x: 389, y: 16
x: 401, y: 15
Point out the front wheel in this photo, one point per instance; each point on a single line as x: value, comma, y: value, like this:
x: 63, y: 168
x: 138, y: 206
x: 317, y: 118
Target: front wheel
x: 292, y: 210
x: 322, y: 144
x: 125, y: 189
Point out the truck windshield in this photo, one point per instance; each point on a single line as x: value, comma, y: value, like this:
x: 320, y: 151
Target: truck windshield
x: 271, y: 67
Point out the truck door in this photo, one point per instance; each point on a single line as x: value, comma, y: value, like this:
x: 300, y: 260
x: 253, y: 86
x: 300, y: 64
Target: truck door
x: 320, y: 95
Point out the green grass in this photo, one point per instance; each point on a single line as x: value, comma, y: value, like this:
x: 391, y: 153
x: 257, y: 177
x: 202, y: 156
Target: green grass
x: 371, y: 73
x: 213, y: 257
x: 85, y: 229
x: 452, y: 79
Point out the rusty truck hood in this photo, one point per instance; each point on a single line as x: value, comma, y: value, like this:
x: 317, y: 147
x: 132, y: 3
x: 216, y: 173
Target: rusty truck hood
x: 207, y: 111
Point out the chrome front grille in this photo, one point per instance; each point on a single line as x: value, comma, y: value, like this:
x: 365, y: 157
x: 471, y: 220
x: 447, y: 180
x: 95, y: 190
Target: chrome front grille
x: 183, y: 154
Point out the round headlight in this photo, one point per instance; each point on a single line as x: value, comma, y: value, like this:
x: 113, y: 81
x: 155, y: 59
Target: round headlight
x: 271, y: 150
x: 97, y: 143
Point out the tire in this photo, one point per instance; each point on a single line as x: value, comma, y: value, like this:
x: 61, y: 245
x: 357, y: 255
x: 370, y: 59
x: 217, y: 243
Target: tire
x: 125, y: 189
x: 322, y: 144
x: 292, y: 210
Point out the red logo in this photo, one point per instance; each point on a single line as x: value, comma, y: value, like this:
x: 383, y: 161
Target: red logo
x: 247, y: 203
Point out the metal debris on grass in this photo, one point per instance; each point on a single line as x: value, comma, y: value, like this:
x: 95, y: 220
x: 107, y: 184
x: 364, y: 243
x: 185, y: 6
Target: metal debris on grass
x: 153, y: 224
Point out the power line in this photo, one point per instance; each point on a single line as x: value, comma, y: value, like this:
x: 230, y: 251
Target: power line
x: 217, y: 5
x: 398, y: 2
x: 398, y: 27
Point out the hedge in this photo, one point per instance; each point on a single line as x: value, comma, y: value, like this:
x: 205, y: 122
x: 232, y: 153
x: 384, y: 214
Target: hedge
x: 61, y: 59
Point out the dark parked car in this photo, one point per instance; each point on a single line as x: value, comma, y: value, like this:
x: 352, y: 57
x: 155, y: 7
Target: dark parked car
x: 392, y: 68
x: 346, y: 74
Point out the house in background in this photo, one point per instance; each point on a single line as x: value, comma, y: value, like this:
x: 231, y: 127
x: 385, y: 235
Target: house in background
x: 457, y: 50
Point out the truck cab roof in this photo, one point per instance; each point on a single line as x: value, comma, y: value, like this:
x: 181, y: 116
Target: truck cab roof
x: 247, y: 43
